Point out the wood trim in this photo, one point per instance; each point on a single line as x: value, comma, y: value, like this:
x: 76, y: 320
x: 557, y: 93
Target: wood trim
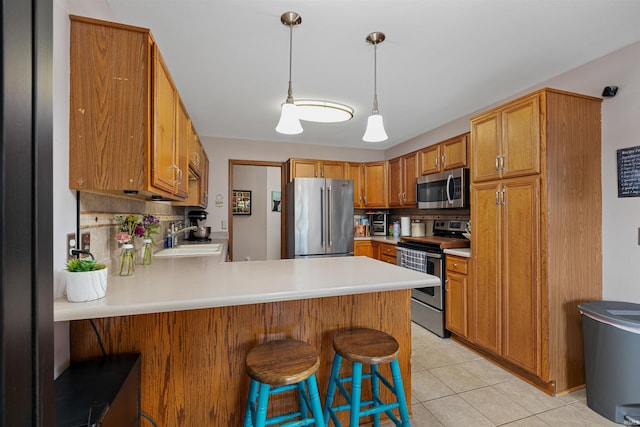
x: 193, y: 362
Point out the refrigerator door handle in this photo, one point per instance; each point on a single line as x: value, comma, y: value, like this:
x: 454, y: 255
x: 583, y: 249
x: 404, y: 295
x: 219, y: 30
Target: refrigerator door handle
x: 329, y: 213
x: 323, y: 215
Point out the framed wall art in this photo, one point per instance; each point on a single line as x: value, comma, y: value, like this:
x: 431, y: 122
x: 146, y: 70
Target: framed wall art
x: 241, y: 203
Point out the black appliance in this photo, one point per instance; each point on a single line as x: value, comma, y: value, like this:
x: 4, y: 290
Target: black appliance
x: 426, y: 254
x: 445, y: 190
x: 194, y: 218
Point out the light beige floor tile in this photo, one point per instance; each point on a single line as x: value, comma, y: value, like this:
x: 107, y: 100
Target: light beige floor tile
x: 423, y: 418
x: 425, y: 386
x: 432, y: 357
x: 577, y: 415
x: 457, y: 378
x: 453, y: 411
x: 529, y: 397
x: 532, y: 421
x: 494, y: 405
x: 416, y: 366
x: 487, y: 371
x: 576, y: 396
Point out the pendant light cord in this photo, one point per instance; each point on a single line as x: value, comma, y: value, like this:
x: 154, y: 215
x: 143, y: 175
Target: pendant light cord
x: 375, y: 79
x: 290, y: 92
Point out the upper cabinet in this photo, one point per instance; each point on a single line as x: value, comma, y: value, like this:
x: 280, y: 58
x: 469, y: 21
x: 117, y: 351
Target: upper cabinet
x: 506, y: 141
x: 446, y: 155
x: 309, y: 168
x: 403, y: 172
x: 355, y: 172
x: 375, y: 183
x: 128, y: 130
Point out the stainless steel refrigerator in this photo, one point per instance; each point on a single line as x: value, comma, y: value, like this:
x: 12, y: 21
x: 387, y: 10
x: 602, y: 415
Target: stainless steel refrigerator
x: 319, y: 217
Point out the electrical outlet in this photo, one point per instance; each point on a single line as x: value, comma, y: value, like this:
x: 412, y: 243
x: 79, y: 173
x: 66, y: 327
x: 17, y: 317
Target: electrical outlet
x: 71, y: 244
x: 85, y: 241
x: 224, y: 224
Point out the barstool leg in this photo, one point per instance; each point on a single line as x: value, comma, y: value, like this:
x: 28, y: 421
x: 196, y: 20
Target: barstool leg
x: 251, y: 401
x: 356, y: 389
x: 399, y: 387
x: 331, y: 389
x: 263, y: 401
x: 375, y: 393
x: 314, y: 398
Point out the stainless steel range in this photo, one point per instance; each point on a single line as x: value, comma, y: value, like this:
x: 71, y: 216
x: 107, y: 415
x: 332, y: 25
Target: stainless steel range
x: 426, y: 254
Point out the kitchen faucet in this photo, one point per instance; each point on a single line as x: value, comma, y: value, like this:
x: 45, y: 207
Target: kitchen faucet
x: 175, y: 234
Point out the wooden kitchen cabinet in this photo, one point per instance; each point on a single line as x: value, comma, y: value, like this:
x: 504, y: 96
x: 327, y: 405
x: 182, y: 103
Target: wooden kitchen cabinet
x: 355, y: 172
x: 403, y: 172
x: 375, y: 184
x: 506, y: 141
x: 457, y: 295
x: 308, y: 168
x: 195, y: 152
x: 446, y: 155
x: 183, y: 141
x: 531, y: 266
x: 198, y: 185
x: 386, y: 252
x: 363, y: 248
x: 125, y: 122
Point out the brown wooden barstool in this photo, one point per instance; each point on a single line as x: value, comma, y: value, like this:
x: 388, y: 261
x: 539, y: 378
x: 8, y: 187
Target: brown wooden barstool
x: 280, y: 366
x: 370, y: 347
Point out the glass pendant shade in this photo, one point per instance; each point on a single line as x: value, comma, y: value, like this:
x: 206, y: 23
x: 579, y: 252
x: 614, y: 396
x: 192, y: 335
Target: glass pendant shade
x: 289, y: 123
x: 375, y: 129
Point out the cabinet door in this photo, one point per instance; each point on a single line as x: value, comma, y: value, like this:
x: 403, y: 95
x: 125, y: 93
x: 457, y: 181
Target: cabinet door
x: 354, y: 171
x: 521, y: 138
x: 395, y: 182
x: 375, y: 185
x: 410, y: 174
x: 163, y: 153
x: 429, y: 159
x: 182, y: 143
x: 195, y: 151
x: 454, y: 152
x: 486, y: 278
x: 485, y: 147
x: 521, y: 272
x: 456, y: 288
x: 363, y: 248
x: 331, y: 169
x: 303, y: 168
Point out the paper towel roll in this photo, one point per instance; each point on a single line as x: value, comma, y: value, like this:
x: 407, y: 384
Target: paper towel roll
x: 405, y: 226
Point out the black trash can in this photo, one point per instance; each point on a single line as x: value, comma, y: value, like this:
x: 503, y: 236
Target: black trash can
x: 612, y: 359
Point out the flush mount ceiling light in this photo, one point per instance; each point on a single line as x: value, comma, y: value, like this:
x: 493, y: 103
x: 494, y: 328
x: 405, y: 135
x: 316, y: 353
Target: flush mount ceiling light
x: 375, y: 128
x: 289, y: 120
x: 312, y: 110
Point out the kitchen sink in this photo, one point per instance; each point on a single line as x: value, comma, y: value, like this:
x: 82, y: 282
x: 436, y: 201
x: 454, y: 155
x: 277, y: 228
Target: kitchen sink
x: 204, y: 249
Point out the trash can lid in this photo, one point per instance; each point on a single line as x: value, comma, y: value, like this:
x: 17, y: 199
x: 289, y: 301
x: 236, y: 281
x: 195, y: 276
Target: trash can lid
x: 614, y: 312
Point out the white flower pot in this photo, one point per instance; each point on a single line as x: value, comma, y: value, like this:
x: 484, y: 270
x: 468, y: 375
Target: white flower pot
x: 86, y: 285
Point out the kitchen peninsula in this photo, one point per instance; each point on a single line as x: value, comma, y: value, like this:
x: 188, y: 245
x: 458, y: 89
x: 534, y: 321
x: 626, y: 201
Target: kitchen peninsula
x: 193, y: 319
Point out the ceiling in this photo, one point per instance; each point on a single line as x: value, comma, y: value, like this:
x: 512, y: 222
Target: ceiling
x: 442, y: 59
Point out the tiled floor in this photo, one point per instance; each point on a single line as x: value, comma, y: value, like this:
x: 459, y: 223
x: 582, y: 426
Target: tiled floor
x: 453, y: 386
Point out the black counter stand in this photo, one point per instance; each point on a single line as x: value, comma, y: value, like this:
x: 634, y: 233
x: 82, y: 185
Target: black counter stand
x: 99, y: 392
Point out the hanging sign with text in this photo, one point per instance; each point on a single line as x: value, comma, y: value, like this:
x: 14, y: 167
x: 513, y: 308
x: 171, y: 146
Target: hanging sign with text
x: 629, y: 172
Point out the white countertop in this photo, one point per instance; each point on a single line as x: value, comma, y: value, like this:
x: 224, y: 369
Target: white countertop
x: 463, y: 252
x: 188, y: 283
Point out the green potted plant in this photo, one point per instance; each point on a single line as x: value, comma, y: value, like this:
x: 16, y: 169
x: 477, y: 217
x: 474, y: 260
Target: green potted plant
x: 86, y: 280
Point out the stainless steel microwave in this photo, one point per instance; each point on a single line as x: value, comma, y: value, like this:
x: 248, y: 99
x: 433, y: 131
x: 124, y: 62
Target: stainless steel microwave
x: 445, y: 190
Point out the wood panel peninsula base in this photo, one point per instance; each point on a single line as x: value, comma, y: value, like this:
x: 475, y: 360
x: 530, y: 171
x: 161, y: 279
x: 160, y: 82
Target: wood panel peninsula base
x: 193, y: 360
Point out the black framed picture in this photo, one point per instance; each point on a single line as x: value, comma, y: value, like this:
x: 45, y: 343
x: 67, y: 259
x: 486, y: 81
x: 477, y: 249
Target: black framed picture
x: 241, y: 203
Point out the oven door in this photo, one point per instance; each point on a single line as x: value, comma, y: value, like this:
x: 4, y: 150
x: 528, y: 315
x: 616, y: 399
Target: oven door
x: 446, y: 190
x: 425, y: 262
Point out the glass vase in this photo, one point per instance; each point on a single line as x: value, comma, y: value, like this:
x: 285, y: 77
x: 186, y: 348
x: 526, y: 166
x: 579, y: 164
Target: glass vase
x: 127, y: 260
x: 147, y: 252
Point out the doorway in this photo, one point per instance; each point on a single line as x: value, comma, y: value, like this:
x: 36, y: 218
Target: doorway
x: 256, y: 210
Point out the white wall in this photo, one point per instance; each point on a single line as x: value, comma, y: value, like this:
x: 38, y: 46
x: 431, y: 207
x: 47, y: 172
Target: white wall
x: 273, y: 218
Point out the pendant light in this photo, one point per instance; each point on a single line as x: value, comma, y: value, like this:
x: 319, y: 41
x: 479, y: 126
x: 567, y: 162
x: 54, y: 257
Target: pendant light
x: 375, y: 128
x: 289, y: 120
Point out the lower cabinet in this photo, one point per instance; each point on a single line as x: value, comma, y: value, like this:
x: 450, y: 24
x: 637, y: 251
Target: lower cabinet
x: 386, y: 252
x: 363, y: 248
x: 456, y: 295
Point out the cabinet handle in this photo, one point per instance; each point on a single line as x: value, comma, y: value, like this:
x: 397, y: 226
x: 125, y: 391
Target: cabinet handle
x: 497, y: 198
x: 436, y: 162
x: 404, y: 196
x: 502, y: 163
x: 502, y: 197
x: 179, y: 180
x: 446, y: 285
x: 365, y: 200
x: 444, y: 160
x: 322, y: 173
x: 497, y: 163
x: 455, y: 264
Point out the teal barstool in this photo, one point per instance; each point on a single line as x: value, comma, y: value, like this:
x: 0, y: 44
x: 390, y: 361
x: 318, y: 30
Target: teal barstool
x: 368, y: 347
x: 280, y: 366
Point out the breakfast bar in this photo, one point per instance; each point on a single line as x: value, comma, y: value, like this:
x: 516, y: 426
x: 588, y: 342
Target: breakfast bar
x: 193, y: 319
